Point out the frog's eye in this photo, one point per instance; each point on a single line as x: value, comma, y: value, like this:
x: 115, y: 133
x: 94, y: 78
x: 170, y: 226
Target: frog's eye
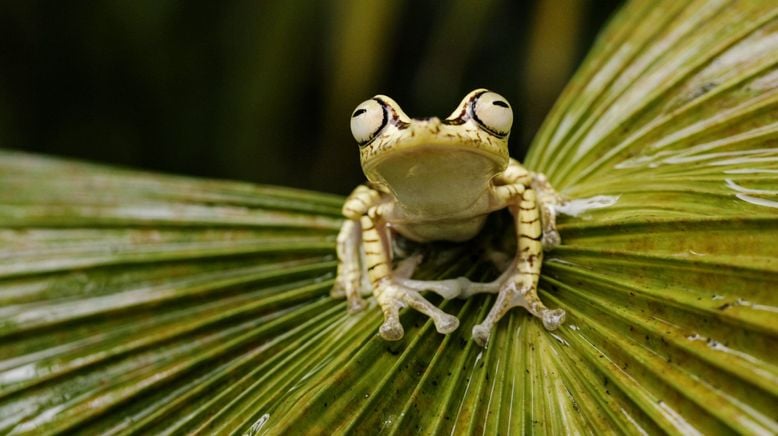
x: 492, y: 112
x: 367, y: 121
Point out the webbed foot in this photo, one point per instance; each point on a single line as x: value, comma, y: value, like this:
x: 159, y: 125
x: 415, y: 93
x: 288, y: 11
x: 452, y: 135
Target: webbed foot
x: 516, y: 292
x: 392, y: 297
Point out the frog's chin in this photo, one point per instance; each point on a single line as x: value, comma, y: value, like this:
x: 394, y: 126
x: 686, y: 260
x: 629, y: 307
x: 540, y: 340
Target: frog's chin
x: 440, y: 181
x: 454, y: 160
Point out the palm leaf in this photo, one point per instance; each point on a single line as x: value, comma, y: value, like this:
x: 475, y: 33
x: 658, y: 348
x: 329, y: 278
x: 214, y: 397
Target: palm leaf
x: 142, y: 303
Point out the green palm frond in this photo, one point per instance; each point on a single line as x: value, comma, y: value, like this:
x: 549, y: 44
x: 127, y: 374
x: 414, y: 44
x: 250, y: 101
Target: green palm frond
x: 141, y: 303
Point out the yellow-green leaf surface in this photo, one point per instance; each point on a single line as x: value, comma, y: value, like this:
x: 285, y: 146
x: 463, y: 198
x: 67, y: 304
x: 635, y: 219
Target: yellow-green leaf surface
x: 139, y: 303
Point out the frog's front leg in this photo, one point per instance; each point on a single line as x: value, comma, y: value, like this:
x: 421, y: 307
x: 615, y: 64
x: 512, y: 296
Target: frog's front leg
x: 547, y: 198
x: 388, y: 290
x: 519, y: 287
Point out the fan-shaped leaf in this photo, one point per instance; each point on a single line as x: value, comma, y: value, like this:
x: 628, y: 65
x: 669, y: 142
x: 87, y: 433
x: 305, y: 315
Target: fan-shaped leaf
x: 140, y: 303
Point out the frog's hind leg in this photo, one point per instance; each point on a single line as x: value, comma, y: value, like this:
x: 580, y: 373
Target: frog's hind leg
x: 351, y: 276
x: 520, y: 286
x: 348, y: 281
x: 512, y: 182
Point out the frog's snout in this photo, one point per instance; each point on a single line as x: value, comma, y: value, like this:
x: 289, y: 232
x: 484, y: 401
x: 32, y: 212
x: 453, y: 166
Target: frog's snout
x: 429, y: 124
x: 430, y: 120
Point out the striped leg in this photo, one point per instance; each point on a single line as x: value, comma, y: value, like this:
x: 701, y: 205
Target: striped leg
x: 390, y: 294
x: 514, y: 179
x: 520, y: 288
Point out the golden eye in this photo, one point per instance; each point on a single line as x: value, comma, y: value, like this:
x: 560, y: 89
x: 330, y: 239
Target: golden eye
x: 367, y: 121
x: 492, y: 112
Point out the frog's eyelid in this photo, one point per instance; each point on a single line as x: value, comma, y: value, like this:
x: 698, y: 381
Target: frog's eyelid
x: 396, y: 112
x: 464, y: 108
x: 454, y: 121
x: 459, y: 118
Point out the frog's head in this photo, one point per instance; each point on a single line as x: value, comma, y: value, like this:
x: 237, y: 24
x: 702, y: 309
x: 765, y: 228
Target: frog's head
x: 393, y: 146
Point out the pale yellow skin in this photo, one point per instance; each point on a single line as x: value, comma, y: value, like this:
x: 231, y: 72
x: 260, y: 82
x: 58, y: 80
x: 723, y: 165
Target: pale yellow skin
x: 435, y: 179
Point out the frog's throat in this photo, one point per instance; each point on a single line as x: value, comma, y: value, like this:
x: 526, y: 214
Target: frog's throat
x: 434, y: 184
x: 429, y: 157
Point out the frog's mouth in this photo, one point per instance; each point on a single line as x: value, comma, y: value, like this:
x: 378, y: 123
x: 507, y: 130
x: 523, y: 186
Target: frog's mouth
x: 437, y: 181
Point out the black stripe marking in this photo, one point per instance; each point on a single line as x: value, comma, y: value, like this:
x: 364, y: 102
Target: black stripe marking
x: 455, y: 121
x: 372, y: 267
x: 529, y: 237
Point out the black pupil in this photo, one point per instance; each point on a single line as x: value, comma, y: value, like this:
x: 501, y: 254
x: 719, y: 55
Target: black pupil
x: 358, y: 112
x: 500, y: 103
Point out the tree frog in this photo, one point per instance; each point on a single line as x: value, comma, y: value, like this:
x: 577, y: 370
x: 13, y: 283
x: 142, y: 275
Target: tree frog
x: 431, y: 179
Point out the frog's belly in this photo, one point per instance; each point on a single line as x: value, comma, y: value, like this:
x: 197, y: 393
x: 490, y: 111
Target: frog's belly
x: 444, y: 230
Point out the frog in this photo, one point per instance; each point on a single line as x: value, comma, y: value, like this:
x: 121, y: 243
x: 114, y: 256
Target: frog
x: 432, y: 179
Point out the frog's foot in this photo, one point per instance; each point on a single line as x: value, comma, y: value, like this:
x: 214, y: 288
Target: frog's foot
x: 550, y: 239
x: 393, y: 296
x: 353, y: 286
x: 514, y: 293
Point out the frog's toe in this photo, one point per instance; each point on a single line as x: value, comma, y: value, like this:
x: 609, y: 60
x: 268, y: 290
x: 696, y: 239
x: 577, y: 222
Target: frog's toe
x: 337, y: 291
x: 551, y: 239
x: 553, y: 318
x: 446, y: 323
x: 391, y: 330
x: 481, y: 334
x: 356, y: 304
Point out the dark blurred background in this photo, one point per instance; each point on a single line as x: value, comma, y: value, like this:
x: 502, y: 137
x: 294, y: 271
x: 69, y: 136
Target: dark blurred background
x: 262, y: 90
